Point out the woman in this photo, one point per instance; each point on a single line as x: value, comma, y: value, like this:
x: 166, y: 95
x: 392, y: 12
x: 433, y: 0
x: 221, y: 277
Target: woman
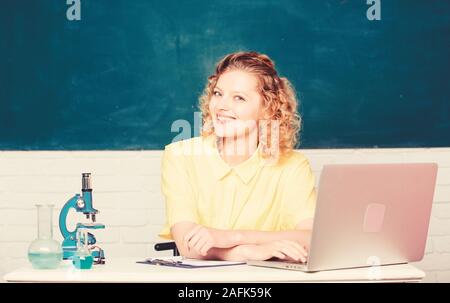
x: 240, y: 191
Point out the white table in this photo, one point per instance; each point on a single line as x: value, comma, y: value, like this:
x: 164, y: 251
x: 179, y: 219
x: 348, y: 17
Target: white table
x: 127, y: 270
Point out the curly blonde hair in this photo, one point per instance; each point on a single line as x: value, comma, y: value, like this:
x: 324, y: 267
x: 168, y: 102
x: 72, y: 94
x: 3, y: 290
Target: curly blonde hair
x: 278, y: 95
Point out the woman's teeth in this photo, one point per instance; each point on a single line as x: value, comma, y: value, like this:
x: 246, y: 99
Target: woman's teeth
x: 224, y: 119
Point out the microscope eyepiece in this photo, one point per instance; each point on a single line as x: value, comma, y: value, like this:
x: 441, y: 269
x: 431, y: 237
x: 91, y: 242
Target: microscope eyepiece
x: 86, y: 181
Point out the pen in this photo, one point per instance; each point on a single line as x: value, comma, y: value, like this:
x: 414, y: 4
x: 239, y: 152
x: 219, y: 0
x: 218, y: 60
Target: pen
x: 165, y: 262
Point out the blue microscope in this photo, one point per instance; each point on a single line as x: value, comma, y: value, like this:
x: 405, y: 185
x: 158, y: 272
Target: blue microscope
x: 81, y: 204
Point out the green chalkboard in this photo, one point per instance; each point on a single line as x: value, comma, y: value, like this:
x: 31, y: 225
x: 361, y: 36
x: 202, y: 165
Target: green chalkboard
x: 118, y: 78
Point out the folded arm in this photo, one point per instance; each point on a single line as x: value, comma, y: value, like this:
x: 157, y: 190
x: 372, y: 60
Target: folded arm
x: 199, y: 242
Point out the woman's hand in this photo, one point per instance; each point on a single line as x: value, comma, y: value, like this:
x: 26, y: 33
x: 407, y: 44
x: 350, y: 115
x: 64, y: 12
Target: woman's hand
x: 283, y: 249
x: 200, y: 239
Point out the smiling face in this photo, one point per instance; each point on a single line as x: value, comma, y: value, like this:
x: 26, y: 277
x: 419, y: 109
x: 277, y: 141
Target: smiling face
x: 236, y: 105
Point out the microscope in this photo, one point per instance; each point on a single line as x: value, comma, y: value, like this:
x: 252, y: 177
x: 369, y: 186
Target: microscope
x: 82, y: 204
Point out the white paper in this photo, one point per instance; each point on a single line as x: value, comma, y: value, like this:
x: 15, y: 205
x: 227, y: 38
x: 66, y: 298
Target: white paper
x: 196, y: 262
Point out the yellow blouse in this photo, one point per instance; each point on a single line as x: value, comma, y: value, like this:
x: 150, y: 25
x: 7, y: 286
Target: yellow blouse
x: 199, y: 186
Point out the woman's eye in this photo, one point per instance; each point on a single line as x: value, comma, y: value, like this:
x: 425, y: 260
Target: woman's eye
x: 239, y: 98
x: 216, y: 93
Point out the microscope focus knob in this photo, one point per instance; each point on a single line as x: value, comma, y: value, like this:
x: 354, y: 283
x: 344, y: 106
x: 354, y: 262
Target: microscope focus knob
x: 80, y: 203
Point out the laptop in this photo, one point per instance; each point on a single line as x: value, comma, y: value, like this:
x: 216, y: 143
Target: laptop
x: 367, y: 215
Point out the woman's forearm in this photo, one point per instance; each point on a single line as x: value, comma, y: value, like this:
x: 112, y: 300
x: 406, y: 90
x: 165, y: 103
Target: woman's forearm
x: 233, y: 245
x: 231, y: 238
x: 237, y: 253
x: 214, y: 253
x: 302, y: 237
x: 247, y: 243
